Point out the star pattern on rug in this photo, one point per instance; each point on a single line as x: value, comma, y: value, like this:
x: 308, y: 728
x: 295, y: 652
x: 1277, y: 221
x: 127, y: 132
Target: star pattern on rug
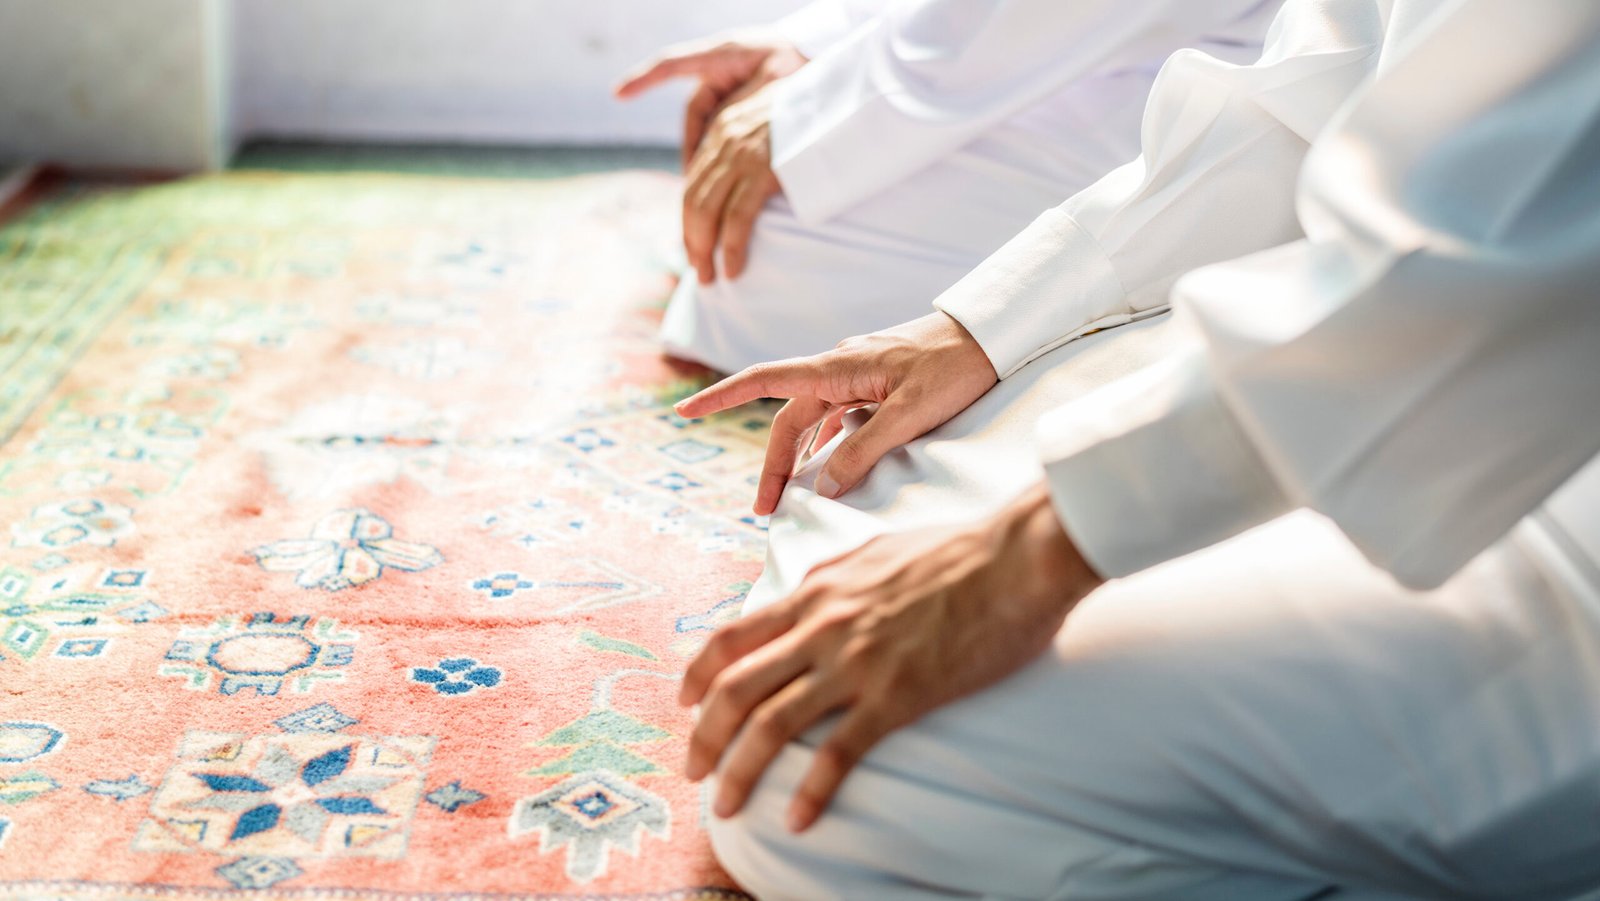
x: 288, y: 795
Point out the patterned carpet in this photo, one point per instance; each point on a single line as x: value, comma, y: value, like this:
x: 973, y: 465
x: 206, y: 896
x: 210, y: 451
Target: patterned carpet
x: 348, y: 544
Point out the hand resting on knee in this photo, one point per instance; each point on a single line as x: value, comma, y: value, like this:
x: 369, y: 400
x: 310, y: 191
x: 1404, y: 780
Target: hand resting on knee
x: 885, y: 633
x: 727, y: 148
x: 920, y: 374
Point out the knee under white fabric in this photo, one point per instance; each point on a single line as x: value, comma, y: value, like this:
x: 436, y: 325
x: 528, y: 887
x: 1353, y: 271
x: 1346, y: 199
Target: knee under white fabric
x: 1264, y: 719
x: 883, y: 261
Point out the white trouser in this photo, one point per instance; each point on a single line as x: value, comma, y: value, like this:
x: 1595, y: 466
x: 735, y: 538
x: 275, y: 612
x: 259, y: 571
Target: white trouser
x: 1262, y: 720
x: 884, y: 260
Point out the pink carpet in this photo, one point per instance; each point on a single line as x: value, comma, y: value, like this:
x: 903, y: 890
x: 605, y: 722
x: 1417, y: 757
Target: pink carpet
x: 348, y: 544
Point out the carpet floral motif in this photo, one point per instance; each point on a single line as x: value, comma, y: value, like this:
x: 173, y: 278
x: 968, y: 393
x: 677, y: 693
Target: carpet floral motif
x: 295, y: 795
x: 349, y: 542
x: 261, y: 652
x: 346, y: 548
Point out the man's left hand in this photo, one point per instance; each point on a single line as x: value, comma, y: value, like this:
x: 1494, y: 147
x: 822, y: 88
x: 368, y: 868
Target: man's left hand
x: 730, y: 178
x: 885, y: 633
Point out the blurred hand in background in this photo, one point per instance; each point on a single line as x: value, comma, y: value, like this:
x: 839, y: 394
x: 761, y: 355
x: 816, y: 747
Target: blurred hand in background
x: 727, y: 146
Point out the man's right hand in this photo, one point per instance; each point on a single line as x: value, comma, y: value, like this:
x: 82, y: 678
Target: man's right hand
x: 920, y: 374
x: 728, y: 66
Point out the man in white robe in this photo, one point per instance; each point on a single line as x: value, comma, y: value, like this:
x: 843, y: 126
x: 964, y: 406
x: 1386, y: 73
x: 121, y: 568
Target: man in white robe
x: 917, y: 139
x: 1353, y: 641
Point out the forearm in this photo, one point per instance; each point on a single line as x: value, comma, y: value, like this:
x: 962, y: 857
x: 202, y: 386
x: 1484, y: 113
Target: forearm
x: 1420, y: 369
x: 1223, y: 146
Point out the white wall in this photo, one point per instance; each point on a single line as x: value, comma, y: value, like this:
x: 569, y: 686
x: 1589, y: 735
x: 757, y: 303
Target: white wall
x: 173, y: 84
x: 464, y: 70
x: 131, y: 84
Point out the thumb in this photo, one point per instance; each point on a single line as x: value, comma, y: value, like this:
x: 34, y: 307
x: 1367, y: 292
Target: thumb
x: 893, y: 425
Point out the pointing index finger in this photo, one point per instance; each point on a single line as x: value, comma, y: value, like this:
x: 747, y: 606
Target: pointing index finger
x: 654, y: 71
x: 786, y: 378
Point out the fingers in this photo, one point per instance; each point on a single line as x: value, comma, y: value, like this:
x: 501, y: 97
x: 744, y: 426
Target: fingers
x: 738, y: 690
x: 729, y: 644
x: 831, y: 427
x: 856, y: 733
x: 738, y: 223
x: 791, y: 429
x: 785, y: 378
x: 646, y: 75
x: 777, y: 721
x: 896, y: 423
x: 696, y: 117
x: 710, y: 181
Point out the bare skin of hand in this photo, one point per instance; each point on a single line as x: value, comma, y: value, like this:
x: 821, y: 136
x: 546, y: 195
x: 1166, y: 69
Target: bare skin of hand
x: 885, y: 633
x: 742, y: 60
x: 920, y: 374
x: 729, y: 180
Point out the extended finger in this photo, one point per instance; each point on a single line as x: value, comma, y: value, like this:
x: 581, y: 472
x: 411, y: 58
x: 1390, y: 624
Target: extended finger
x: 857, y: 732
x: 702, y: 106
x: 729, y: 644
x: 735, y: 692
x: 710, y: 181
x: 784, y: 378
x: 794, y: 709
x: 738, y: 223
x: 668, y: 64
x: 895, y: 423
x: 791, y: 429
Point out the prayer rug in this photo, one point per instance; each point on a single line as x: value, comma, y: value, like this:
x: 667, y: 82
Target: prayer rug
x: 349, y: 544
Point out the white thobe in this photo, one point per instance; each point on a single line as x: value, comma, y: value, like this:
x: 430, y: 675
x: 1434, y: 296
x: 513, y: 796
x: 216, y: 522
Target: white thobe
x: 919, y: 138
x: 1276, y: 716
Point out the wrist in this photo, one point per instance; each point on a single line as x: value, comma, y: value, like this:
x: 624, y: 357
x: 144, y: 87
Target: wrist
x: 1038, y: 555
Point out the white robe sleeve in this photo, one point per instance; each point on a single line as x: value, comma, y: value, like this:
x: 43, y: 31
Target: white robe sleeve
x: 922, y: 79
x: 1423, y: 368
x: 821, y: 24
x: 1222, y: 145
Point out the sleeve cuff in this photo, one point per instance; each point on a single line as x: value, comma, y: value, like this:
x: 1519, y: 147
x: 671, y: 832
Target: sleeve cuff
x: 1153, y: 467
x: 1048, y: 285
x: 823, y: 131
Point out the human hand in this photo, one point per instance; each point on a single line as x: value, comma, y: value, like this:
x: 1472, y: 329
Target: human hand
x: 745, y: 60
x: 886, y: 633
x: 729, y: 180
x: 920, y: 374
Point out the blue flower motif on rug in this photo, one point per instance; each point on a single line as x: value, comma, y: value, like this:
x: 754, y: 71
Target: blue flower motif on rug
x: 502, y: 585
x: 456, y: 676
x: 346, y: 548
